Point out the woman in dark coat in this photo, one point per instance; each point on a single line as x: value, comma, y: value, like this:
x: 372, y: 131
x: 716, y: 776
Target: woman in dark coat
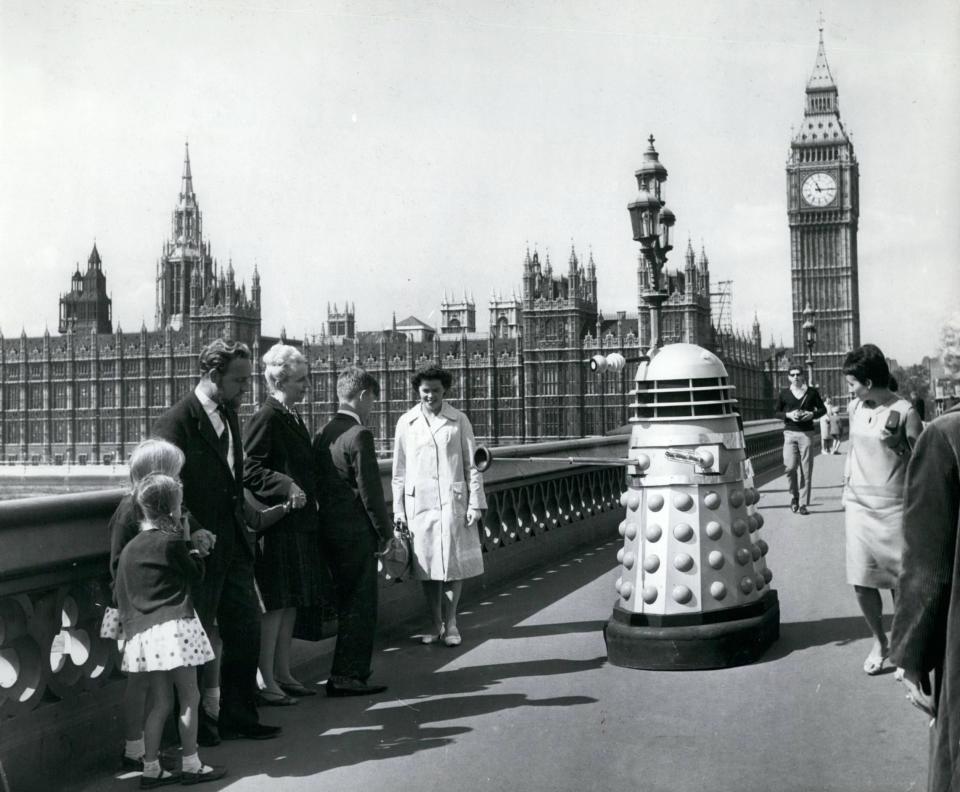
x: 279, y: 468
x: 926, y: 624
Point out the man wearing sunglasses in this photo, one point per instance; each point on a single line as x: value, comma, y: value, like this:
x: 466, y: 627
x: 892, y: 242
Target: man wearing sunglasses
x: 799, y: 406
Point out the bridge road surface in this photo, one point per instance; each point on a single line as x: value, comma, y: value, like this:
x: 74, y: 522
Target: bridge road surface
x: 529, y: 703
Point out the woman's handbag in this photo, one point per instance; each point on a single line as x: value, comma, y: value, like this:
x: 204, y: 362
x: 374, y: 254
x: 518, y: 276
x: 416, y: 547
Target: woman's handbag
x: 396, y: 560
x: 110, y: 627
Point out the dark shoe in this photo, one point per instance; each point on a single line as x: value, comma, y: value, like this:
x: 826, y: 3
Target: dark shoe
x: 248, y: 731
x: 803, y: 510
x: 794, y: 505
x: 207, y: 733
x: 211, y: 774
x: 297, y: 690
x: 131, y: 765
x: 352, y: 687
x: 267, y: 698
x: 165, y: 778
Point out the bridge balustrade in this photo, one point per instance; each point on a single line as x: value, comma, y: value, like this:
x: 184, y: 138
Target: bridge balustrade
x: 54, y: 551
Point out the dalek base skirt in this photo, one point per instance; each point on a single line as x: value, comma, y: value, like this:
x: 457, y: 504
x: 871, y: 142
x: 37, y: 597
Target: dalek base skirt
x: 693, y: 590
x: 722, y: 639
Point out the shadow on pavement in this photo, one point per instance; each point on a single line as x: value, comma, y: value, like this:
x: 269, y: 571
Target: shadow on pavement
x: 797, y: 636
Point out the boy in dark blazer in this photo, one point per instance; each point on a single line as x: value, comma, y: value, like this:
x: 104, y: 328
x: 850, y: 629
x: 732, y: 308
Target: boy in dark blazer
x: 204, y: 425
x: 354, y: 526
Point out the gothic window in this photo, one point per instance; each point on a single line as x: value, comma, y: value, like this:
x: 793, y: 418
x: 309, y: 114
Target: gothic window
x: 550, y: 329
x: 156, y: 366
x: 108, y: 395
x: 400, y: 389
x: 85, y: 431
x: 108, y: 431
x: 11, y: 397
x: 59, y: 370
x: 131, y: 429
x: 454, y: 323
x: 35, y: 432
x: 131, y: 394
x: 503, y: 327
x: 35, y: 397
x: 182, y: 365
x: 60, y: 396
x: 478, y: 383
x: 59, y: 431
x: 507, y: 382
x: 83, y: 369
x: 12, y: 432
x: 83, y: 395
x: 157, y: 395
x: 550, y: 382
x: 181, y: 389
x: 131, y: 368
x: 36, y: 371
x: 108, y: 368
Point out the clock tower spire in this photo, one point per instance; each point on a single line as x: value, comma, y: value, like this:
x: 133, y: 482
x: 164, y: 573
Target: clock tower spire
x: 823, y: 209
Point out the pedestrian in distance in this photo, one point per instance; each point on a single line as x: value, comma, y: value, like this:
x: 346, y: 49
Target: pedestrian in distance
x: 799, y: 406
x: 883, y: 430
x: 438, y: 494
x: 205, y: 426
x: 354, y: 526
x: 836, y: 429
x: 926, y: 630
x: 824, y: 424
x: 280, y: 467
x: 165, y: 640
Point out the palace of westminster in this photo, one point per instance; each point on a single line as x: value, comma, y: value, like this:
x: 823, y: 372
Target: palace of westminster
x: 92, y: 392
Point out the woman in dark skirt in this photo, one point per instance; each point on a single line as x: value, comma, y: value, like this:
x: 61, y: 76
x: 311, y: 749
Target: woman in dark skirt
x: 279, y: 468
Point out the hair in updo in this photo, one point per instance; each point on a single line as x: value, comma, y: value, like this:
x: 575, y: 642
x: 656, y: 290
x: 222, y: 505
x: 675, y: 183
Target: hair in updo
x: 156, y: 496
x: 279, y: 363
x: 868, y: 363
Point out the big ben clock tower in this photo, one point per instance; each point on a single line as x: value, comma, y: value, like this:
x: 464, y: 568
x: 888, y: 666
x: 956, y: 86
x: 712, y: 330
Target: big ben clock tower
x: 823, y: 206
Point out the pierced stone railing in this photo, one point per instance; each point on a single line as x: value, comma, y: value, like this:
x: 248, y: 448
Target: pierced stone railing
x: 54, y: 554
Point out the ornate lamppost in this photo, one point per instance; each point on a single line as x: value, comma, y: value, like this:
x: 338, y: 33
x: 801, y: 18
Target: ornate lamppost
x: 810, y: 338
x: 652, y: 222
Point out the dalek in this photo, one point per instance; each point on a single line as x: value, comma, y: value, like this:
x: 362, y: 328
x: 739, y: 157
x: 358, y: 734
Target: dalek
x: 693, y: 590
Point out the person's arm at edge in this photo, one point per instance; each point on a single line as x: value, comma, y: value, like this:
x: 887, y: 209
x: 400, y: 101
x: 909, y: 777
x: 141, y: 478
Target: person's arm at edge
x: 931, y: 505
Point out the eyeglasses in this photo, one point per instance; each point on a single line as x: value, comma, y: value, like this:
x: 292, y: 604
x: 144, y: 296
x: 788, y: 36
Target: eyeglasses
x: 796, y: 373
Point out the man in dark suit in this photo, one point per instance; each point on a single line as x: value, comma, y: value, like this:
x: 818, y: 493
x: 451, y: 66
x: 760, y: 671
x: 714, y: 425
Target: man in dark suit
x: 354, y: 525
x: 205, y: 427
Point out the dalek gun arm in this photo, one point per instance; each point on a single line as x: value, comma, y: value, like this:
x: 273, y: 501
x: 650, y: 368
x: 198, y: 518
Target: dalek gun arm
x: 484, y: 457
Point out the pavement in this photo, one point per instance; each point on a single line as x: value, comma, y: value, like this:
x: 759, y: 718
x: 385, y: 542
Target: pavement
x: 529, y: 703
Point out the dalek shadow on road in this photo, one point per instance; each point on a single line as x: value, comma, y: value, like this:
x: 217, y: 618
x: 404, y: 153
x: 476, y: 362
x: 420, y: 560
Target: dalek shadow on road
x: 693, y: 590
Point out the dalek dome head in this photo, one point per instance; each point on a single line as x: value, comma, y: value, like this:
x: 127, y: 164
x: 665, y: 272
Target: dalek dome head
x: 683, y: 361
x: 683, y: 382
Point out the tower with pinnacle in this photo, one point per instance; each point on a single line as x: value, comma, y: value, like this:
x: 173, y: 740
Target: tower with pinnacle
x: 823, y: 207
x: 193, y: 293
x: 86, y: 307
x: 458, y: 315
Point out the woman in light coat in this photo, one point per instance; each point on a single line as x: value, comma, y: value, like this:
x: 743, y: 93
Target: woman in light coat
x: 438, y: 494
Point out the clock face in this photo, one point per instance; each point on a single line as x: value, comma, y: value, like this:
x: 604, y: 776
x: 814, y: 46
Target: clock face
x: 819, y: 189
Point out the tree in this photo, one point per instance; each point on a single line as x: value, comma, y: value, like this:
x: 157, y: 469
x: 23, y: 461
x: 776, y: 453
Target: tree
x: 950, y: 346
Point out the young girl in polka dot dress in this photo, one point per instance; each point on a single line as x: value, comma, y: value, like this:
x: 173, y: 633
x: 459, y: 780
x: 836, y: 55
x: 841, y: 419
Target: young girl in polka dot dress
x: 165, y: 639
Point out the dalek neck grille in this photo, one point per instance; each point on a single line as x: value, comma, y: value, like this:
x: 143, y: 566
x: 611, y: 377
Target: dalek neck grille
x: 669, y: 400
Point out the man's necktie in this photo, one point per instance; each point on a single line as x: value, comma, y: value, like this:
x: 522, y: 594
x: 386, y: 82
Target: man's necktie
x: 225, y: 434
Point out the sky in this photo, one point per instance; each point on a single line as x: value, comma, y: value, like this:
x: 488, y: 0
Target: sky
x: 386, y: 153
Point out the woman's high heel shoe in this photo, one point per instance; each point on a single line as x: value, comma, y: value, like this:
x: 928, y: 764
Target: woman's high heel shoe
x: 432, y: 638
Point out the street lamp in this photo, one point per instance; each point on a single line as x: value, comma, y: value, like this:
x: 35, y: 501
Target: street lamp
x: 810, y: 338
x: 651, y: 222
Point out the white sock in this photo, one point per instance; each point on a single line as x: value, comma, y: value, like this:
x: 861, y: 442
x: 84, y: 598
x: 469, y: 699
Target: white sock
x: 151, y: 769
x: 192, y: 763
x: 210, y: 701
x: 134, y: 749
